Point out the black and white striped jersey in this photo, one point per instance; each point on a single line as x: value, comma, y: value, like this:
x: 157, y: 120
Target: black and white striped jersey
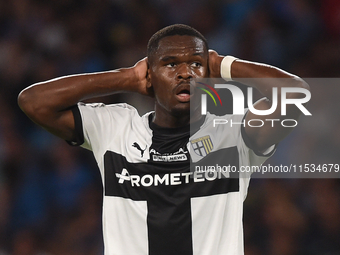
x: 158, y: 197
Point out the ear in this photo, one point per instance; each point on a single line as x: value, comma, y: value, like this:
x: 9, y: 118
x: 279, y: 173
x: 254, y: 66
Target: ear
x: 148, y: 77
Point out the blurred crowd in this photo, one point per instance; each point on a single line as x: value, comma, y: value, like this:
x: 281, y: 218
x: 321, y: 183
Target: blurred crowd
x: 50, y: 192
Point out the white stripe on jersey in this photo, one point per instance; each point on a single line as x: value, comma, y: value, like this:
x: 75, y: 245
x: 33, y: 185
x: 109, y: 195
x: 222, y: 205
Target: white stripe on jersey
x: 216, y: 219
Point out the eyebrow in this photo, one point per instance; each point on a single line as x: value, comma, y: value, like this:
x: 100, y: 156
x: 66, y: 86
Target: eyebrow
x: 169, y: 58
x: 198, y: 54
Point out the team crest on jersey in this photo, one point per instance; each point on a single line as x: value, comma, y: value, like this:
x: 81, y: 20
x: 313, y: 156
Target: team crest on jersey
x: 202, y: 146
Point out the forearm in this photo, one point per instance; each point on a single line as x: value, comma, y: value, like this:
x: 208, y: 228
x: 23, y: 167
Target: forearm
x: 61, y: 93
x: 264, y: 77
x: 260, y: 76
x: 48, y: 103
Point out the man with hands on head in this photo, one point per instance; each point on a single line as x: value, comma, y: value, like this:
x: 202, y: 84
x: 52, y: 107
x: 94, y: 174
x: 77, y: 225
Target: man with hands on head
x: 153, y: 203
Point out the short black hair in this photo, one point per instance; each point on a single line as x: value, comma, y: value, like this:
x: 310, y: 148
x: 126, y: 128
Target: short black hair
x: 176, y: 29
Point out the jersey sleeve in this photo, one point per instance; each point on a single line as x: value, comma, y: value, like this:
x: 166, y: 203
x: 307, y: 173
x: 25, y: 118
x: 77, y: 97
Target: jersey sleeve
x: 249, y: 156
x: 99, y: 124
x: 267, y: 153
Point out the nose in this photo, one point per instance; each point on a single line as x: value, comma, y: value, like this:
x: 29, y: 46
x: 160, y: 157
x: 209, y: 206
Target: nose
x: 184, y: 72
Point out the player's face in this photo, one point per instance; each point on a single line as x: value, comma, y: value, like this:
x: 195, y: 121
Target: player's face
x: 177, y: 60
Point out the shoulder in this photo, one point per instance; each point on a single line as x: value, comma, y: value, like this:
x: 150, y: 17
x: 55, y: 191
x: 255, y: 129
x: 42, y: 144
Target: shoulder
x: 102, y: 124
x: 117, y: 112
x: 120, y: 114
x: 107, y: 107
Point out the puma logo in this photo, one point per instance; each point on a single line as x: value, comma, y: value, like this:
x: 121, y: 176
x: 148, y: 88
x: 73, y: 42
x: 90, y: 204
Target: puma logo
x: 136, y: 145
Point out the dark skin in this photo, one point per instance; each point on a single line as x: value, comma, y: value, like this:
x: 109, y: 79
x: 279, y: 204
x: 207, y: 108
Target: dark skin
x: 178, y: 60
x: 166, y: 76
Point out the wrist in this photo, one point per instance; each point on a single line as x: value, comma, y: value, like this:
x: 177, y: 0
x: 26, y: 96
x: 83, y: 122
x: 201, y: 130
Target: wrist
x: 226, y: 67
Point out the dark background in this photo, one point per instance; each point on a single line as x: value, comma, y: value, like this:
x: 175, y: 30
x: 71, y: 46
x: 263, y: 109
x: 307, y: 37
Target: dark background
x: 50, y: 193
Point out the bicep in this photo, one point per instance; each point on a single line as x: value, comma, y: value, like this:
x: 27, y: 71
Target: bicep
x: 61, y: 124
x: 48, y: 112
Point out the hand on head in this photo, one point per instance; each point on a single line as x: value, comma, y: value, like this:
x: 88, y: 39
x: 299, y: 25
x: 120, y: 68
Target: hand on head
x: 141, y: 72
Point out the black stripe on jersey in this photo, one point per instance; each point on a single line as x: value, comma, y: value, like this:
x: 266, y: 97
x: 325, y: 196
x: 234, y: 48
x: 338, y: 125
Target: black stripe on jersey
x: 169, y: 208
x: 78, y: 125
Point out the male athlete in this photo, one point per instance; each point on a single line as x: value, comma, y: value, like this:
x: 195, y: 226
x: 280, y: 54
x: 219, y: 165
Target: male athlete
x: 153, y: 203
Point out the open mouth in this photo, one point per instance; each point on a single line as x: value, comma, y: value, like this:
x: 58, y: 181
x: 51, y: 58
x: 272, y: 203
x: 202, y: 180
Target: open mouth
x: 184, y: 95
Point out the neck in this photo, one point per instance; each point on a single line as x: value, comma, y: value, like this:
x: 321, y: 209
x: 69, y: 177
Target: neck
x: 165, y: 119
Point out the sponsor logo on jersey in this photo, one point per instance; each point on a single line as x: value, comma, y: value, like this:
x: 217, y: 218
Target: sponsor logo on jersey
x: 202, y: 146
x: 180, y: 155
x: 136, y: 145
x: 171, y: 179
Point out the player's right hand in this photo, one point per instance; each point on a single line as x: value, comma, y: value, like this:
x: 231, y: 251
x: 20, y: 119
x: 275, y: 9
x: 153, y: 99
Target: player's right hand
x: 141, y: 74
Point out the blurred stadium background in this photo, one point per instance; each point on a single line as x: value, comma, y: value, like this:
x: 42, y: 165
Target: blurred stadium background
x: 50, y: 193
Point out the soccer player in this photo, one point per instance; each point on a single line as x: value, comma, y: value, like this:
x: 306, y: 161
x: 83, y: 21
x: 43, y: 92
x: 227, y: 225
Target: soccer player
x: 153, y: 203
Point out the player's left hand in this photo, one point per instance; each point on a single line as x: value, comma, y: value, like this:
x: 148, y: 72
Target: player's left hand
x: 214, y: 64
